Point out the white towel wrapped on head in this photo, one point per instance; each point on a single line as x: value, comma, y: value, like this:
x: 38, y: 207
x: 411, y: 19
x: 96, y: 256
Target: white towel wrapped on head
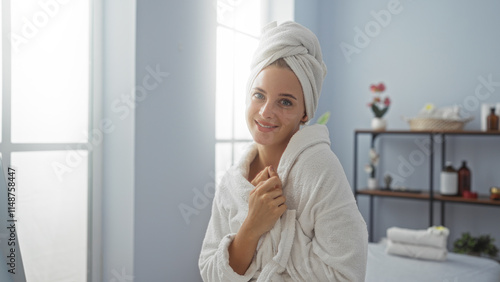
x: 432, y: 237
x: 300, y: 49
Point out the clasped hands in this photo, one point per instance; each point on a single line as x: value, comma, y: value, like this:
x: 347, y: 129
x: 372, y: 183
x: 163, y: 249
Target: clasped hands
x: 266, y: 202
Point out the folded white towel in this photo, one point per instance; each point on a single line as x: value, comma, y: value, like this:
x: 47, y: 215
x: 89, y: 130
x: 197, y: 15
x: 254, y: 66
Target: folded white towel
x: 432, y: 237
x: 414, y: 251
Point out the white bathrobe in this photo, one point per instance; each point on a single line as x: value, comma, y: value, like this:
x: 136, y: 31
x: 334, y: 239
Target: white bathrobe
x: 321, y: 236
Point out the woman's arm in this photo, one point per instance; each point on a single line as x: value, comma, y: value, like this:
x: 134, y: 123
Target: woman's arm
x: 242, y: 249
x: 214, y: 255
x: 227, y: 256
x: 266, y: 204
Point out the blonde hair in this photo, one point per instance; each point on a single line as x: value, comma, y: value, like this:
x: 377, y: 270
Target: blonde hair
x: 281, y: 63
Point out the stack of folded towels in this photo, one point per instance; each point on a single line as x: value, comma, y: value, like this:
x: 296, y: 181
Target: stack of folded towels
x: 421, y: 244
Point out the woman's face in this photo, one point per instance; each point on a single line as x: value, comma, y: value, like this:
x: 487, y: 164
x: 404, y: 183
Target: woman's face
x: 276, y: 107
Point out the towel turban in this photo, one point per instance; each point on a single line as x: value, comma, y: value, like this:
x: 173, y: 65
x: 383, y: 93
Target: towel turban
x: 300, y: 49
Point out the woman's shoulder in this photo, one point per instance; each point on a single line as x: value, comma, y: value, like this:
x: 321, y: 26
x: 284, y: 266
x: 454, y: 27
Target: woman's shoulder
x: 320, y: 167
x: 318, y: 155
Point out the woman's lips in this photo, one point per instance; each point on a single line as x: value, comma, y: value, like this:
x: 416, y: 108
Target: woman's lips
x: 265, y: 127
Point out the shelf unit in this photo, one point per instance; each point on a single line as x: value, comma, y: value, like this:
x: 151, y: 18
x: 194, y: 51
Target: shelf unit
x: 431, y: 196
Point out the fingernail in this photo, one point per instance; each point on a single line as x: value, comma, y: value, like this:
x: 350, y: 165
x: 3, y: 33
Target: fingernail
x: 272, y: 168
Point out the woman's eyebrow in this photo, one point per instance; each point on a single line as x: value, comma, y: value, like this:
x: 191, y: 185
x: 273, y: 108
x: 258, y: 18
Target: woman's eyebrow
x: 288, y: 95
x: 259, y: 89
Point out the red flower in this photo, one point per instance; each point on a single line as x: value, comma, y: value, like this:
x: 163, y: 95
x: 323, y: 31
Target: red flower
x: 381, y: 87
x: 377, y: 88
x: 376, y: 99
x: 387, y: 101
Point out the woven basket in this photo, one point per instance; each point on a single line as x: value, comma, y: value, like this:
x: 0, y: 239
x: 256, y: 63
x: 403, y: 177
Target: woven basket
x: 421, y: 124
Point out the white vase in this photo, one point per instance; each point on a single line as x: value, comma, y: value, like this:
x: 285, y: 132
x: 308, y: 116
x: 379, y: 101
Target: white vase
x: 372, y: 183
x: 379, y: 123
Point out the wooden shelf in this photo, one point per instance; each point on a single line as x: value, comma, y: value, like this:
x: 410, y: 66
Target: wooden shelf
x: 447, y: 132
x: 481, y: 200
x: 425, y: 195
x: 397, y: 194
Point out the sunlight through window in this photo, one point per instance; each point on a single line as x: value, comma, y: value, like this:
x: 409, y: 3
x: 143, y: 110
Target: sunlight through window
x: 46, y: 76
x: 50, y: 65
x: 239, y: 24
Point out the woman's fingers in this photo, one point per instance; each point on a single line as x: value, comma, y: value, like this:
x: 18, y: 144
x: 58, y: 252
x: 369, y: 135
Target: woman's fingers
x: 272, y: 171
x: 274, y: 193
x: 268, y: 185
x: 263, y: 175
x: 266, y: 202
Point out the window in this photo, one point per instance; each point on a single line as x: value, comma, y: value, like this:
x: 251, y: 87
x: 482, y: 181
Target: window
x: 238, y: 28
x: 46, y: 120
x: 238, y: 31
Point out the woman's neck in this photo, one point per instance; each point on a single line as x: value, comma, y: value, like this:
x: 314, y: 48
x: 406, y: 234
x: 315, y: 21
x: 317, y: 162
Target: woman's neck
x: 268, y: 155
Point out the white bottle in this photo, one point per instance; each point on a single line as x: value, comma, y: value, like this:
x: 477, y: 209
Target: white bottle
x: 485, y: 111
x: 449, y: 181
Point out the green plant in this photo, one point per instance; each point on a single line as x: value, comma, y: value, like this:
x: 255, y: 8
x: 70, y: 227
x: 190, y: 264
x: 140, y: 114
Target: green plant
x: 468, y: 244
x: 323, y: 119
x: 379, y: 106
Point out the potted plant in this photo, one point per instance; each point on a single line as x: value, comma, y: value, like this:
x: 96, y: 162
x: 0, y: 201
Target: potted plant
x: 379, y: 106
x: 477, y: 246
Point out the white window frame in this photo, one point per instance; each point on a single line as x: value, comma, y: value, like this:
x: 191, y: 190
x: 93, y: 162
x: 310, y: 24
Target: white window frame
x: 94, y: 156
x: 232, y: 140
x: 95, y: 161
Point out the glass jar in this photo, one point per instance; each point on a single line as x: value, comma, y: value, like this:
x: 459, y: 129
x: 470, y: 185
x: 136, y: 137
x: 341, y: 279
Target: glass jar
x: 449, y: 181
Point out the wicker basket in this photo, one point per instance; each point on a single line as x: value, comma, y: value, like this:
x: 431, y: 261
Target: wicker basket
x: 424, y: 124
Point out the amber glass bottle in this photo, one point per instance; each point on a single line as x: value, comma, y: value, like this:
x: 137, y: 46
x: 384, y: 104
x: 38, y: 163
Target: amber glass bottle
x: 492, y: 120
x: 464, y: 179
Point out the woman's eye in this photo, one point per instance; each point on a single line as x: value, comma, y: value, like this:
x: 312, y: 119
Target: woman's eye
x: 286, y: 102
x: 258, y: 96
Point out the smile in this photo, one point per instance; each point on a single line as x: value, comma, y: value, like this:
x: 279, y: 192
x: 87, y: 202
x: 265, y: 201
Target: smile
x: 265, y: 126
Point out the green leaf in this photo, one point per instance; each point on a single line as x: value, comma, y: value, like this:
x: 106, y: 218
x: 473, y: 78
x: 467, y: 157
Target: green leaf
x: 480, y: 245
x: 379, y: 112
x: 323, y: 119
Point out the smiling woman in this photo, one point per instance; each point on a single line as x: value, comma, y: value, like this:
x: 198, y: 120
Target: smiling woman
x: 285, y: 211
x: 276, y: 108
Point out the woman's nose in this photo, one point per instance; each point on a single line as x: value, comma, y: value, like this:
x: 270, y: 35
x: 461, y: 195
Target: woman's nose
x: 267, y: 111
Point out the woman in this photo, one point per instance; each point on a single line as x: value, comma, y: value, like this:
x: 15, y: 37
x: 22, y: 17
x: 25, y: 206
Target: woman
x: 285, y: 212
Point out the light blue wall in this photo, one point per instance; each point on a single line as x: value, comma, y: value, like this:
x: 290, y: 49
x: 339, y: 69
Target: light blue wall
x: 306, y: 13
x: 175, y: 133
x: 118, y: 80
x: 431, y: 51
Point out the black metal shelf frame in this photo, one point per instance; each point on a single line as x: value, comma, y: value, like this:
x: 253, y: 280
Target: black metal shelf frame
x: 431, y: 199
